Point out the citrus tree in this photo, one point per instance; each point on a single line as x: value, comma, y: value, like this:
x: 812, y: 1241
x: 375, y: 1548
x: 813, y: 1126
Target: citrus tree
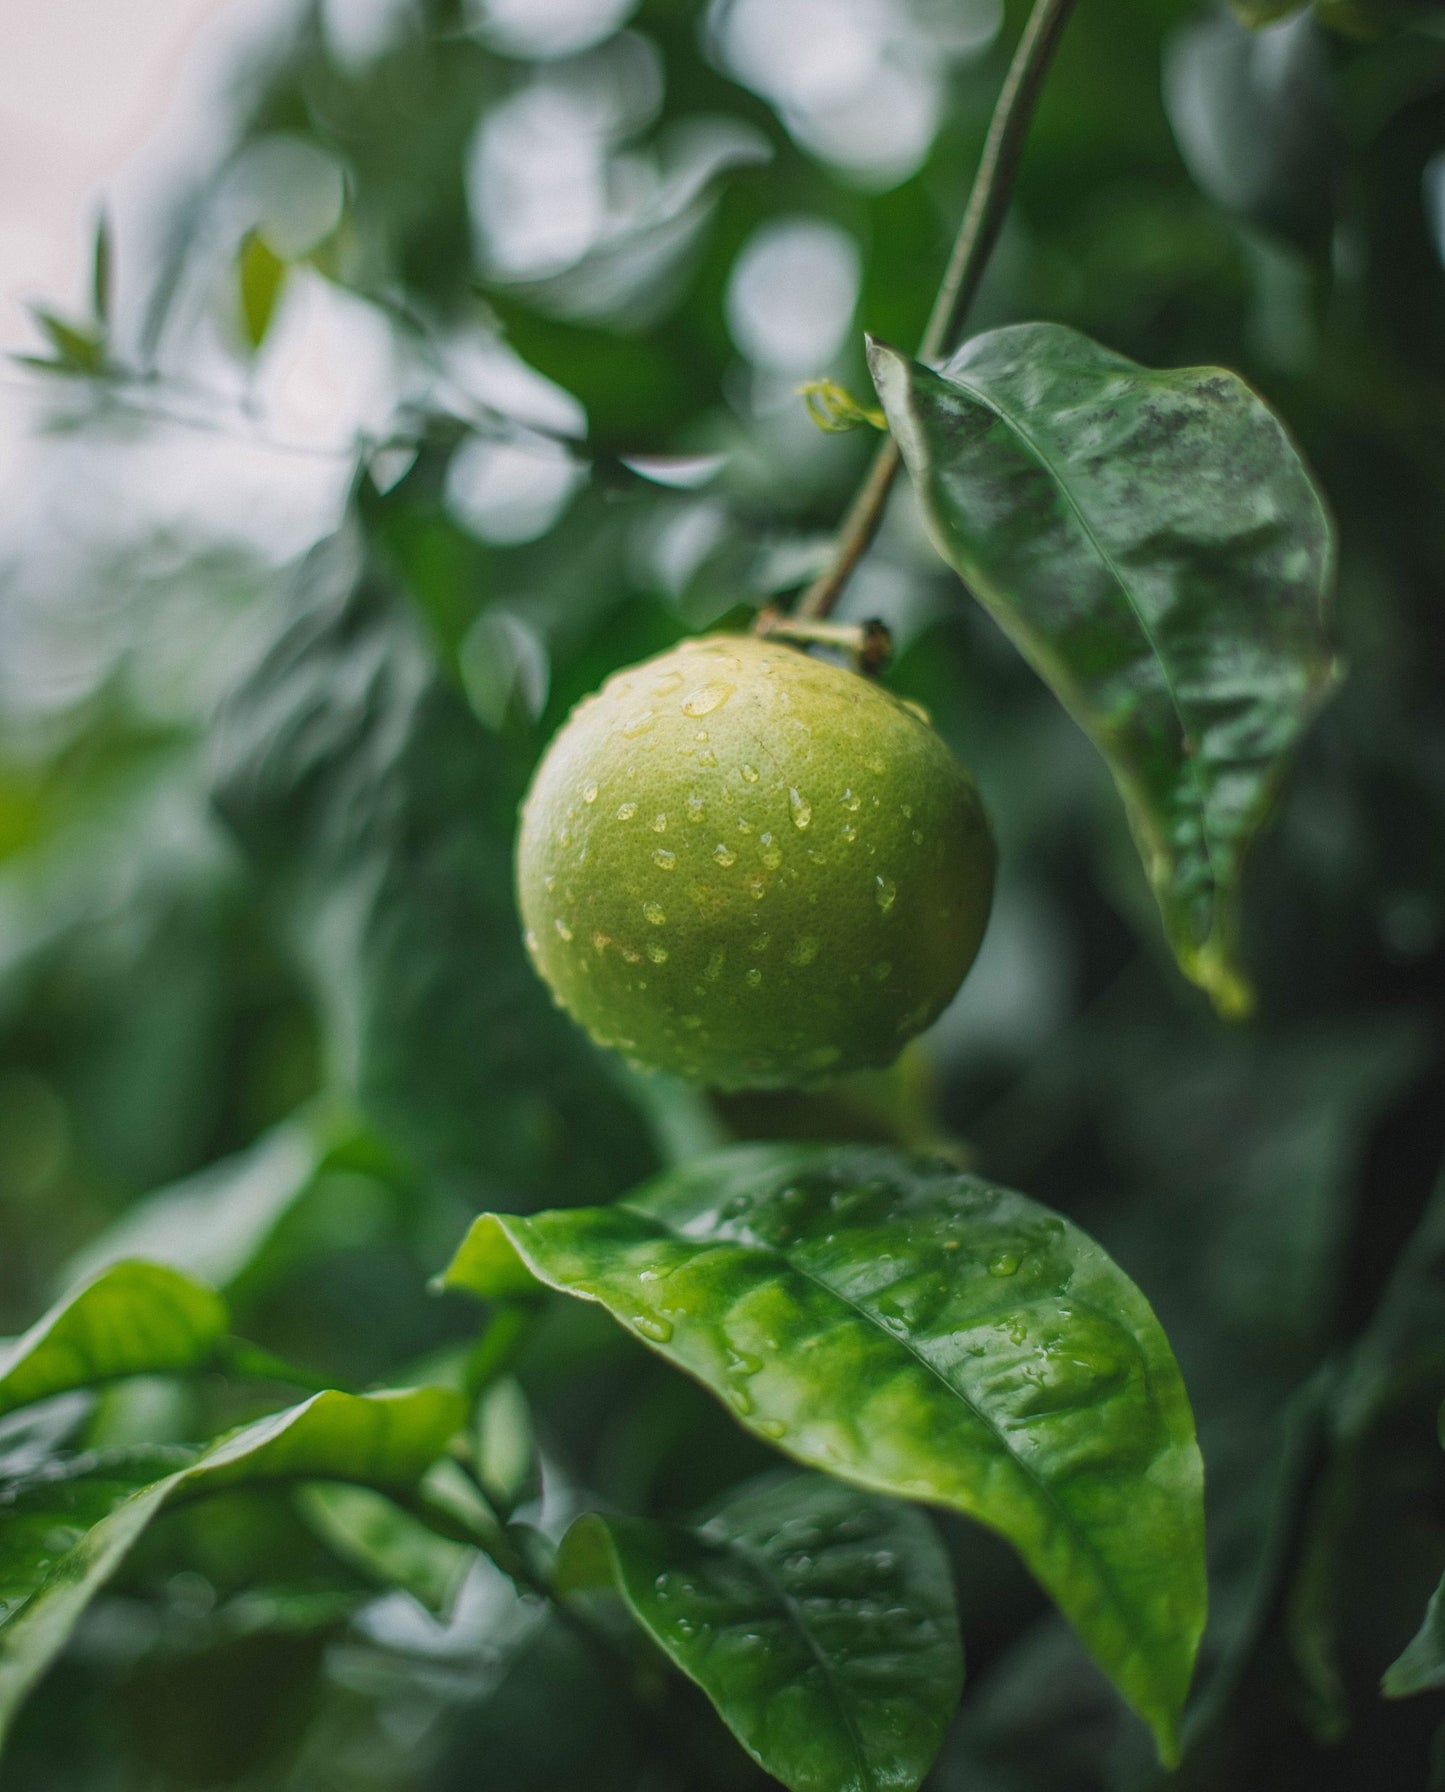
x: 655, y: 1064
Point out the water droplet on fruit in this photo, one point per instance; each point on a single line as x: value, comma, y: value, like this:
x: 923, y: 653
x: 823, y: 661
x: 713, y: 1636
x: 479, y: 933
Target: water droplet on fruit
x: 530, y: 939
x: 589, y: 793
x: 564, y: 836
x: 696, y: 807
x: 753, y: 978
x: 714, y: 968
x: 601, y: 941
x: 802, y: 809
x: 1006, y: 1263
x: 757, y: 888
x: 664, y: 860
x: 563, y: 929
x: 750, y: 774
x: 918, y: 836
x: 804, y: 949
x: 885, y: 892
x: 850, y: 833
x: 626, y: 811
x: 659, y: 824
x: 655, y: 913
x: 851, y: 802
x: 706, y: 698
x: 667, y: 684
x: 630, y: 956
x: 549, y: 883
x: 723, y: 856
x: 658, y: 954
x: 638, y: 725
x: 772, y: 1428
x: 771, y: 853
x: 659, y: 1330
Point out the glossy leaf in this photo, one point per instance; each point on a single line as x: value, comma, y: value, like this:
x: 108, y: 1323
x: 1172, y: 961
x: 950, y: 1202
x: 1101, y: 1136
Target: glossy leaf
x: 819, y: 1620
x: 1155, y: 547
x: 66, y: 1533
x: 919, y: 1332
x: 132, y: 1319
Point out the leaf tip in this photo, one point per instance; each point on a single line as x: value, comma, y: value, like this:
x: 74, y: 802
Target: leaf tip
x: 488, y: 1263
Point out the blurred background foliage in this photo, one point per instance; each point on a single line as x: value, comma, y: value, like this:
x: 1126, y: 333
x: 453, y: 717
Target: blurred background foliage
x: 496, y: 311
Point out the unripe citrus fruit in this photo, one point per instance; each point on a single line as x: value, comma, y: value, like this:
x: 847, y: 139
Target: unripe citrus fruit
x: 752, y: 867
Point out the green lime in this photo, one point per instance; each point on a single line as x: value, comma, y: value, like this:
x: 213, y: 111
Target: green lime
x: 751, y: 867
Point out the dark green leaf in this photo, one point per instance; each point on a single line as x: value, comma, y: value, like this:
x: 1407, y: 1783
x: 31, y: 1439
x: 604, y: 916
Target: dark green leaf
x: 819, y: 1621
x: 922, y: 1333
x: 1155, y: 547
x: 380, y: 815
x: 132, y: 1319
x: 65, y: 1535
x: 260, y: 273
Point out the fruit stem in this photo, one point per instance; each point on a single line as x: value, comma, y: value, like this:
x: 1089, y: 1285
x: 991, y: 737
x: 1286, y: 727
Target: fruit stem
x: 870, y: 643
x: 983, y: 216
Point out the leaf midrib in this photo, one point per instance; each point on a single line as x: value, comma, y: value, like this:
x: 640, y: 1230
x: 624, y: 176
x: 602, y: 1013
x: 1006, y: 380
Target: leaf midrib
x: 764, y: 1571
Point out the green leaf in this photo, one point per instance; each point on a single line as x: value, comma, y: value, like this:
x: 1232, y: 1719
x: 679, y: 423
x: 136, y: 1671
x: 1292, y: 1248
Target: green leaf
x: 1257, y: 13
x: 378, y: 815
x: 1254, y: 118
x: 102, y: 269
x: 506, y: 1452
x: 65, y: 1535
x: 376, y: 1537
x: 261, y: 274
x: 922, y: 1333
x: 133, y: 1319
x: 1421, y: 1668
x: 216, y: 1223
x: 1155, y: 547
x: 77, y: 349
x: 819, y: 1620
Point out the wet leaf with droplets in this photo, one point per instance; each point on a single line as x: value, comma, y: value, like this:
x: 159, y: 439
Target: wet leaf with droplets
x: 859, y: 1309
x: 1157, y: 550
x: 818, y: 1619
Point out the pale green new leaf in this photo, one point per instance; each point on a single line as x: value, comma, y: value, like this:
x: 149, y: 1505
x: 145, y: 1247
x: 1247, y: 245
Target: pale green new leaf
x: 1155, y: 547
x: 66, y: 1531
x: 922, y: 1333
x: 132, y: 1319
x: 818, y: 1619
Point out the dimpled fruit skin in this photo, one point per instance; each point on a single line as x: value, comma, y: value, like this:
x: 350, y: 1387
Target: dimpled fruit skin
x: 751, y: 867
